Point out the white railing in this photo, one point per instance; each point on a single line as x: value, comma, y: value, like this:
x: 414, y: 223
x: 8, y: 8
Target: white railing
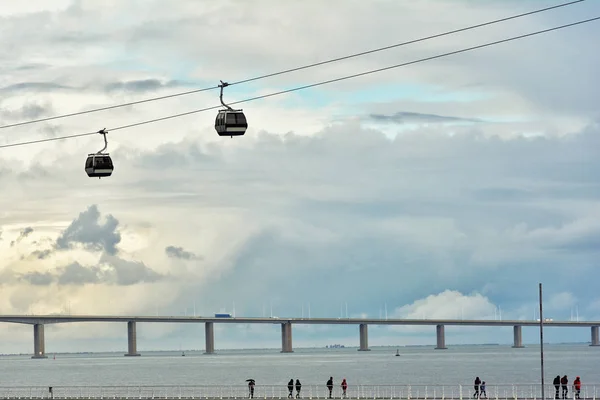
x: 423, y: 392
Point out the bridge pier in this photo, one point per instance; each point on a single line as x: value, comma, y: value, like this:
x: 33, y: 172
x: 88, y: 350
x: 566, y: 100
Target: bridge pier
x: 131, y: 339
x: 286, y: 337
x: 364, y: 337
x: 441, y: 337
x: 595, y: 338
x: 39, y: 346
x: 517, y: 337
x: 209, y: 336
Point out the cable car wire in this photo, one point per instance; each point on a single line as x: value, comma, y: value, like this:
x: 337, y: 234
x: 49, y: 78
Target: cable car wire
x: 313, y: 84
x: 289, y: 70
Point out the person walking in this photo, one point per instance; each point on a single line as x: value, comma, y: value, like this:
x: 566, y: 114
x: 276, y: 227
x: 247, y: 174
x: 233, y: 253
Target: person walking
x: 482, y: 392
x: 577, y: 387
x: 476, y: 386
x: 298, y: 387
x: 330, y: 385
x: 556, y: 384
x: 251, y: 384
x: 564, y: 381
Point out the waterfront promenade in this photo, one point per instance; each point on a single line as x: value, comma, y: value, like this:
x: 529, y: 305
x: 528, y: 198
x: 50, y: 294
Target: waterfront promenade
x: 309, y: 391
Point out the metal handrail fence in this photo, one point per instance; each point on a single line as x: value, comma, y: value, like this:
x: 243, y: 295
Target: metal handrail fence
x: 407, y: 392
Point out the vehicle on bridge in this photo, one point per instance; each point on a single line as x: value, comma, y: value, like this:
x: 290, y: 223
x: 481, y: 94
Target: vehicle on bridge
x: 222, y: 315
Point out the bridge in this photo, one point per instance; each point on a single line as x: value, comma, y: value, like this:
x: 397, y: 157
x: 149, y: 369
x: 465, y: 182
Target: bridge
x: 38, y: 322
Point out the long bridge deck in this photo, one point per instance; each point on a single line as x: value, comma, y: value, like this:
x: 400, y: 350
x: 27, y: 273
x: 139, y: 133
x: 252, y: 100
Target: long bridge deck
x: 272, y: 392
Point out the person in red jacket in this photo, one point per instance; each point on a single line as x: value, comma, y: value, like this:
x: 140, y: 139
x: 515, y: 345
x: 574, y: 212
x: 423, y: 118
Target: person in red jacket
x: 577, y: 386
x: 344, y: 386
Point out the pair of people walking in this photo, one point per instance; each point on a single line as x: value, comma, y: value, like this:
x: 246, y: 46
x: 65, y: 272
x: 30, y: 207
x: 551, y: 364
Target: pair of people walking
x: 343, y: 385
x: 291, y: 388
x: 479, y: 386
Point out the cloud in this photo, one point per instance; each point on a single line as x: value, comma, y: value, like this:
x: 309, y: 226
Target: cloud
x: 561, y: 301
x: 143, y: 85
x: 110, y: 270
x: 22, y: 235
x: 404, y: 117
x: 179, y: 252
x: 87, y: 230
x: 78, y: 275
x: 461, y: 182
x: 449, y: 304
x: 37, y: 278
x: 32, y: 86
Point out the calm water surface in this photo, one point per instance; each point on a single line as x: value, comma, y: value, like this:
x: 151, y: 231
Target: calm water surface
x: 416, y: 365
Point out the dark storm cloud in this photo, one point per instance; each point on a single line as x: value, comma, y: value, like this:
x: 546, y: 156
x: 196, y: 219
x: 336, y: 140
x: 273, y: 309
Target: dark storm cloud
x: 179, y: 252
x: 87, y: 230
x: 404, y: 117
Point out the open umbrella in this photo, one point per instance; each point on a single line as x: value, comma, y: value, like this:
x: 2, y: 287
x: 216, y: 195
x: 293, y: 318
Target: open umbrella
x: 250, y: 380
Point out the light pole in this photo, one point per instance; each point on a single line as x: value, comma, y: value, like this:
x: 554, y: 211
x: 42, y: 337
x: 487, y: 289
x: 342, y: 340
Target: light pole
x: 542, y: 342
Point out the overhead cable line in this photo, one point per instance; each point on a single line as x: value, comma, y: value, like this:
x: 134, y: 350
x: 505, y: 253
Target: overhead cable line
x: 313, y: 84
x: 291, y: 69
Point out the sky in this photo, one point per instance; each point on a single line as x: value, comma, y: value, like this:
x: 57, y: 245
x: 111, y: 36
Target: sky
x: 444, y: 189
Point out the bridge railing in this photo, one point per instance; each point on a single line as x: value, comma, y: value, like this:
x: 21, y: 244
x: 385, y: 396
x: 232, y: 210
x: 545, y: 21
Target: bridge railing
x: 421, y: 392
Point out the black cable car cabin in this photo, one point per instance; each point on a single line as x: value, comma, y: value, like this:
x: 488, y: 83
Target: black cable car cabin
x: 98, y: 165
x: 231, y: 123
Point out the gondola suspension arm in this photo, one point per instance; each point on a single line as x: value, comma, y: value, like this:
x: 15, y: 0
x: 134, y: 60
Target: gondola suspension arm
x: 103, y: 133
x: 223, y: 85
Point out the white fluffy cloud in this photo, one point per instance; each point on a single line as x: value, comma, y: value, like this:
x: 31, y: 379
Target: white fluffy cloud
x: 449, y: 304
x: 445, y: 189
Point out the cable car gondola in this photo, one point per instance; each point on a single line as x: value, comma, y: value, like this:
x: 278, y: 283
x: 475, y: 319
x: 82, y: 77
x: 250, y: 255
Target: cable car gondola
x: 230, y: 122
x: 99, y: 164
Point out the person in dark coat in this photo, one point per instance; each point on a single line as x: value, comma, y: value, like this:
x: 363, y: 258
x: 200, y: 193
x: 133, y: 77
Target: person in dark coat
x: 556, y: 384
x: 298, y: 388
x: 476, y: 386
x: 330, y: 385
x: 291, y: 389
x: 251, y: 384
x: 564, y: 381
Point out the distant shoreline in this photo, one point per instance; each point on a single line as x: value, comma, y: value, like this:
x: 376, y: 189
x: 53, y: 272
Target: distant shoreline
x: 323, y: 348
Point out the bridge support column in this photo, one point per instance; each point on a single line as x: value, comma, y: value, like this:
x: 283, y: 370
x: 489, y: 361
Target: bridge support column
x: 517, y: 337
x: 364, y: 337
x: 39, y: 346
x: 131, y: 339
x: 595, y: 338
x: 209, y: 335
x: 441, y: 337
x: 286, y: 337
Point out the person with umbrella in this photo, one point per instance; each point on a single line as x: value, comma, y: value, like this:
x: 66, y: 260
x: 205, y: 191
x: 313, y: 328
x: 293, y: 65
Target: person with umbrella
x: 251, y: 384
